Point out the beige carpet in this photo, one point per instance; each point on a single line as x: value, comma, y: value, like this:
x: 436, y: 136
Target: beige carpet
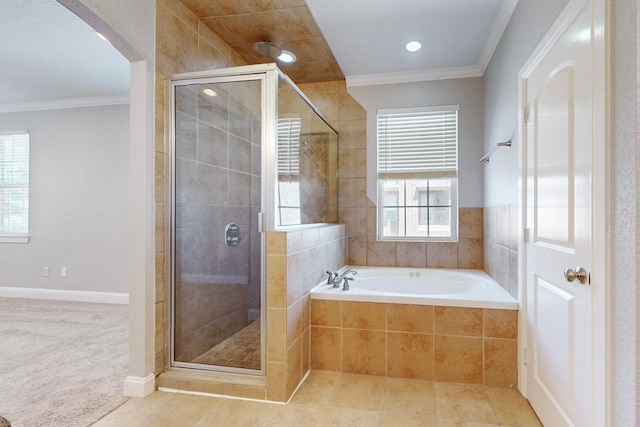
x: 61, y: 363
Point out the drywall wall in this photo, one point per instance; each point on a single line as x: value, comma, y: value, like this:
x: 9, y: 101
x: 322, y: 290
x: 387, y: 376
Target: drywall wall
x: 624, y: 246
x: 79, y: 175
x: 467, y: 93
x: 529, y: 23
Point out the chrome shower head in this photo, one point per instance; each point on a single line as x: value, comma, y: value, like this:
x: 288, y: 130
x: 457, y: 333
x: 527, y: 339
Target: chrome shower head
x: 268, y: 49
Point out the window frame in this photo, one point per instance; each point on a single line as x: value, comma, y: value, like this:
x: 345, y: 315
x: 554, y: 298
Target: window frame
x: 384, y: 175
x: 22, y: 236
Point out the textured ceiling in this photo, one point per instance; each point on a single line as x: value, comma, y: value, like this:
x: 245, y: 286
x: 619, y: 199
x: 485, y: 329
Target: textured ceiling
x: 288, y: 23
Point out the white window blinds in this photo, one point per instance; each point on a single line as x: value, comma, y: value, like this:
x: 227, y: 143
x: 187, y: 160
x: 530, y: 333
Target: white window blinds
x: 289, y: 146
x: 418, y: 143
x: 14, y: 183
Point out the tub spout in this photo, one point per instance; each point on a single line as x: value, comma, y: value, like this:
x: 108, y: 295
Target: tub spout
x: 344, y: 279
x: 351, y: 270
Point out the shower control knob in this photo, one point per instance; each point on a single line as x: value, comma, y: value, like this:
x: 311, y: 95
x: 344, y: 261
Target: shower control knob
x: 232, y: 235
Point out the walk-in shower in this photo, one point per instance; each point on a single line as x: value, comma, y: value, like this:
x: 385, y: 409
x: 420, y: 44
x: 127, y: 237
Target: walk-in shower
x: 249, y: 154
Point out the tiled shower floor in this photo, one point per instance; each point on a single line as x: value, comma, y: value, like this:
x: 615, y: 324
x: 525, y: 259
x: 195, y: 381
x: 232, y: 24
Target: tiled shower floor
x: 338, y: 399
x: 241, y: 350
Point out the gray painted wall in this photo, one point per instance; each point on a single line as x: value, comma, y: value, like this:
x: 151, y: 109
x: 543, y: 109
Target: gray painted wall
x: 529, y: 23
x: 79, y: 178
x: 467, y: 93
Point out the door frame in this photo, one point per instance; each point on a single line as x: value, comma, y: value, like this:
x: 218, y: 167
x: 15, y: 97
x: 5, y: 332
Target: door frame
x: 600, y: 217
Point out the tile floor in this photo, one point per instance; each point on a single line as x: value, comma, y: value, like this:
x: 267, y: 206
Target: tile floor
x: 335, y: 399
x: 241, y: 350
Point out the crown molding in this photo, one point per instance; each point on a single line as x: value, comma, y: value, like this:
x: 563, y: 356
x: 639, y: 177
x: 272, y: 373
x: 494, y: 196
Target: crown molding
x: 414, y: 76
x: 500, y: 24
x: 60, y: 104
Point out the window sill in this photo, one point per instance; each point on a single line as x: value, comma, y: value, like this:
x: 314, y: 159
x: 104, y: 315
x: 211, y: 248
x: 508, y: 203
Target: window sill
x: 17, y: 238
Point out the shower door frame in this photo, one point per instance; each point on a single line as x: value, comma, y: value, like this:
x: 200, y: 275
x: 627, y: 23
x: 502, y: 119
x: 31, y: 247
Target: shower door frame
x: 268, y: 75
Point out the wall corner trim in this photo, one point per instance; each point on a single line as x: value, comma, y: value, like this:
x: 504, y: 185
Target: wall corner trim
x: 138, y: 386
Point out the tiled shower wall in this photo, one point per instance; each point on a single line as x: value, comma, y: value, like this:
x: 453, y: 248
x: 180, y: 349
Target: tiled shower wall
x: 297, y: 261
x: 501, y: 246
x: 183, y: 45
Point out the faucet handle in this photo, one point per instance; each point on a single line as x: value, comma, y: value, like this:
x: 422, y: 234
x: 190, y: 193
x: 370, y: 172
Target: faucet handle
x: 345, y: 287
x: 330, y: 278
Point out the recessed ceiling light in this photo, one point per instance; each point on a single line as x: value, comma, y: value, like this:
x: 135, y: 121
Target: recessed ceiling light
x: 209, y: 92
x: 413, y: 46
x: 287, y: 57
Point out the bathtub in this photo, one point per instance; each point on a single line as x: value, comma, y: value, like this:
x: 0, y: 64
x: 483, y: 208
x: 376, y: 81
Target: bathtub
x: 420, y: 286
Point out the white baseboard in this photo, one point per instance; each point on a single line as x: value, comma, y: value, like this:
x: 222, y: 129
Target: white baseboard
x: 64, y: 295
x: 139, y: 387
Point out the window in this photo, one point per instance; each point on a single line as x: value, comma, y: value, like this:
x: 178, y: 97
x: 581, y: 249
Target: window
x: 14, y: 186
x: 417, y: 174
x: 289, y: 170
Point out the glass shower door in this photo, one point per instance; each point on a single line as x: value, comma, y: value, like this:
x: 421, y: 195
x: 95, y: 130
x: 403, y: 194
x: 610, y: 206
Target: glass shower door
x: 216, y: 245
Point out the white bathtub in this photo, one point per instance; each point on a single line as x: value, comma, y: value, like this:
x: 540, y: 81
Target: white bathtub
x: 422, y: 286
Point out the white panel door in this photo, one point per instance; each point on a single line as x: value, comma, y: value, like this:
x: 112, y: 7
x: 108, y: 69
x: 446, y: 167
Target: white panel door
x: 559, y: 208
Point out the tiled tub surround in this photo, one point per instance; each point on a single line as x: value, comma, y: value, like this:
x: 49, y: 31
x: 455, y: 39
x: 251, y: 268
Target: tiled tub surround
x: 501, y: 246
x: 447, y: 344
x: 296, y: 260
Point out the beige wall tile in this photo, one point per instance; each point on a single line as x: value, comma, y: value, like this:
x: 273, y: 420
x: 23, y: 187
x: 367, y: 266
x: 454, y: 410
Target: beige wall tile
x: 458, y: 359
x: 363, y: 352
x: 181, y: 12
x: 411, y: 254
x: 442, y: 255
x: 501, y: 362
x: 364, y: 315
x: 410, y: 355
x: 356, y: 218
x: 470, y: 223
x: 246, y: 391
x: 470, y: 253
x: 276, y: 281
x: 357, y: 251
x: 294, y: 366
x: 176, y: 44
x: 294, y: 324
x: 350, y: 109
x: 410, y: 318
x: 276, y: 334
x: 503, y: 225
x: 199, y: 386
x: 381, y: 253
x: 458, y: 321
x: 306, y: 350
x: 500, y: 323
x: 352, y: 163
x: 513, y: 227
x: 326, y: 313
x: 353, y: 134
x: 276, y: 382
x: 326, y: 348
x: 351, y: 192
x: 276, y: 242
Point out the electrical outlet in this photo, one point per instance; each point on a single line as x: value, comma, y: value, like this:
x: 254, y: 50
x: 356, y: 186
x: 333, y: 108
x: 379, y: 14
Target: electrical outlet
x: 63, y: 272
x: 45, y: 271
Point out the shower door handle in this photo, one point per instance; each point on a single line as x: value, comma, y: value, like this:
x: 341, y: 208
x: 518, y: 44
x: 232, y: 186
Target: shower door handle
x: 260, y: 222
